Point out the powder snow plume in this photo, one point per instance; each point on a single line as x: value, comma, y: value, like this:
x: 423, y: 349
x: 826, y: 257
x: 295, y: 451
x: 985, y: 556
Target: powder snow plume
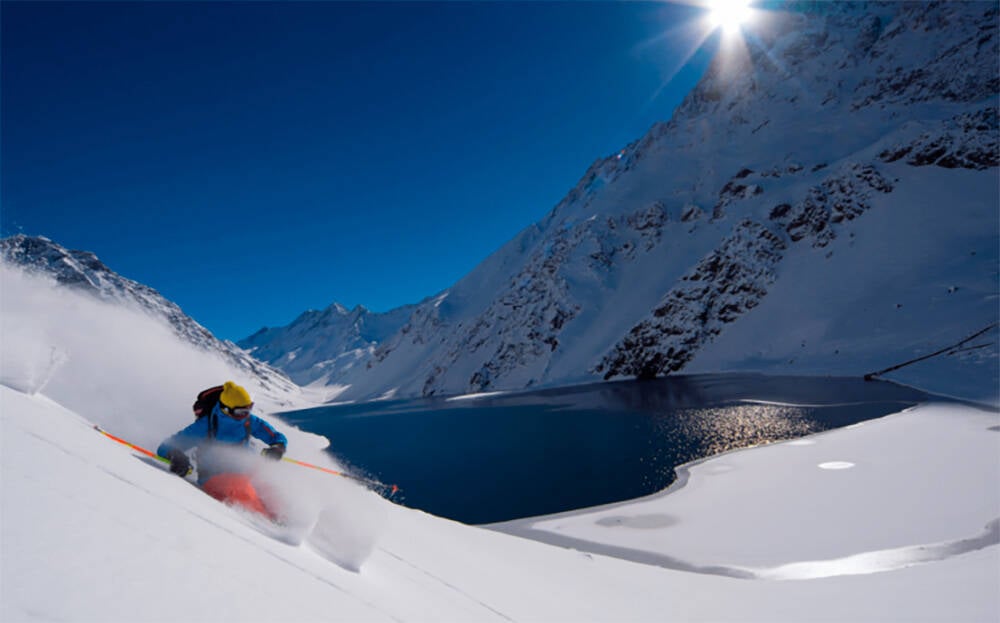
x: 129, y: 373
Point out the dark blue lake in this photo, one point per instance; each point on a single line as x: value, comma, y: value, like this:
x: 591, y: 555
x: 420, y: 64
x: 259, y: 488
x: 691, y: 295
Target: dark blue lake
x: 496, y: 458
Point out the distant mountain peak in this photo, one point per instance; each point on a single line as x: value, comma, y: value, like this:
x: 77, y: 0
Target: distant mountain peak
x: 324, y: 344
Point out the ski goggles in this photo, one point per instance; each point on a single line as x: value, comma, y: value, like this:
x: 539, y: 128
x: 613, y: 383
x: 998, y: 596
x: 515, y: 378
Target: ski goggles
x: 237, y: 412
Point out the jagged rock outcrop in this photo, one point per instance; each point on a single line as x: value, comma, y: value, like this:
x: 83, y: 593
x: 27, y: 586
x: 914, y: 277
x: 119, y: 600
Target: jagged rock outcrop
x: 840, y: 197
x: 729, y: 282
x: 968, y: 141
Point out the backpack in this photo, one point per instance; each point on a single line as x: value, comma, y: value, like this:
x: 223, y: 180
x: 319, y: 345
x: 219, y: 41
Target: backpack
x: 203, y: 405
x: 207, y: 399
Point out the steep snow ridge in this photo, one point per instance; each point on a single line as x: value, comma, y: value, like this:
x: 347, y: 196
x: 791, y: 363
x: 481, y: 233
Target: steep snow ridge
x: 734, y: 279
x: 519, y: 334
x: 825, y: 112
x: 884, y: 290
x: 919, y: 73
x: 83, y: 271
x: 781, y: 146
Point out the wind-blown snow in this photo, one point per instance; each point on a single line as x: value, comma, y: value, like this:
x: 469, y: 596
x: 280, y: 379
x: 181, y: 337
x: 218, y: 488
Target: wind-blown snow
x: 90, y: 530
x: 84, y: 272
x: 110, y: 363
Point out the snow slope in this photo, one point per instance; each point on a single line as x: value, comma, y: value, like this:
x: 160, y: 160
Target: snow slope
x: 92, y: 532
x: 904, y: 530
x: 879, y: 280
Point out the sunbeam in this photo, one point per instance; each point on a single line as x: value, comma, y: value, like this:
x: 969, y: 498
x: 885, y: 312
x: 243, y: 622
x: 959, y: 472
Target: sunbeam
x: 729, y: 15
x: 697, y: 32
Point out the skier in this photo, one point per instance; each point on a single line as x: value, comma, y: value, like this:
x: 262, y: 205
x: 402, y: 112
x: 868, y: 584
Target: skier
x: 230, y: 424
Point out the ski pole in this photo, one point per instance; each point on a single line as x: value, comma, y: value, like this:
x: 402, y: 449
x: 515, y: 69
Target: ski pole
x: 393, y: 488
x: 131, y: 445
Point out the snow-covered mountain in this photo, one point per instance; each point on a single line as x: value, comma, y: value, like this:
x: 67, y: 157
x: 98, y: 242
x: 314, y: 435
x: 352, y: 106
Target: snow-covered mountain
x: 326, y: 344
x: 824, y: 201
x: 83, y: 271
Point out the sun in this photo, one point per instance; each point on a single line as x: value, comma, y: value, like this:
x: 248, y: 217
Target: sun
x: 728, y: 14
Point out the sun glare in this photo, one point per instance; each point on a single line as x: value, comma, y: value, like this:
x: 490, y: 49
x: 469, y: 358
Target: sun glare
x: 728, y: 14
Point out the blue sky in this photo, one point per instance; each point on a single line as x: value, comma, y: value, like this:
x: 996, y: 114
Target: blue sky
x: 254, y: 160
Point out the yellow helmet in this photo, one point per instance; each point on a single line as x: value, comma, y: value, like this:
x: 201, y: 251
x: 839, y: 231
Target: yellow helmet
x: 234, y: 396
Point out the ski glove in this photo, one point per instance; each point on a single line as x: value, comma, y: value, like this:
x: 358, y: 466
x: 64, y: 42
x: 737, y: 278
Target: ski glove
x: 274, y: 452
x: 180, y: 464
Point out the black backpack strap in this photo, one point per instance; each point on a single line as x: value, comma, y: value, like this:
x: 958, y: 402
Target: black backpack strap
x: 213, y: 424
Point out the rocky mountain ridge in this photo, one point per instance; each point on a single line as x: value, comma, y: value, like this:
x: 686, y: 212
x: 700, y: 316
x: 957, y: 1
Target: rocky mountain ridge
x: 660, y: 248
x: 324, y: 345
x: 82, y: 270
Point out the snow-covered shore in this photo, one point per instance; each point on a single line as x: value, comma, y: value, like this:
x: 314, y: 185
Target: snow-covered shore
x: 845, y: 521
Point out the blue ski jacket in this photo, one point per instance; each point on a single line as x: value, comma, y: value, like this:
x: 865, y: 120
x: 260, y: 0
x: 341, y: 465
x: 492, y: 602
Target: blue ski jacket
x: 228, y: 431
